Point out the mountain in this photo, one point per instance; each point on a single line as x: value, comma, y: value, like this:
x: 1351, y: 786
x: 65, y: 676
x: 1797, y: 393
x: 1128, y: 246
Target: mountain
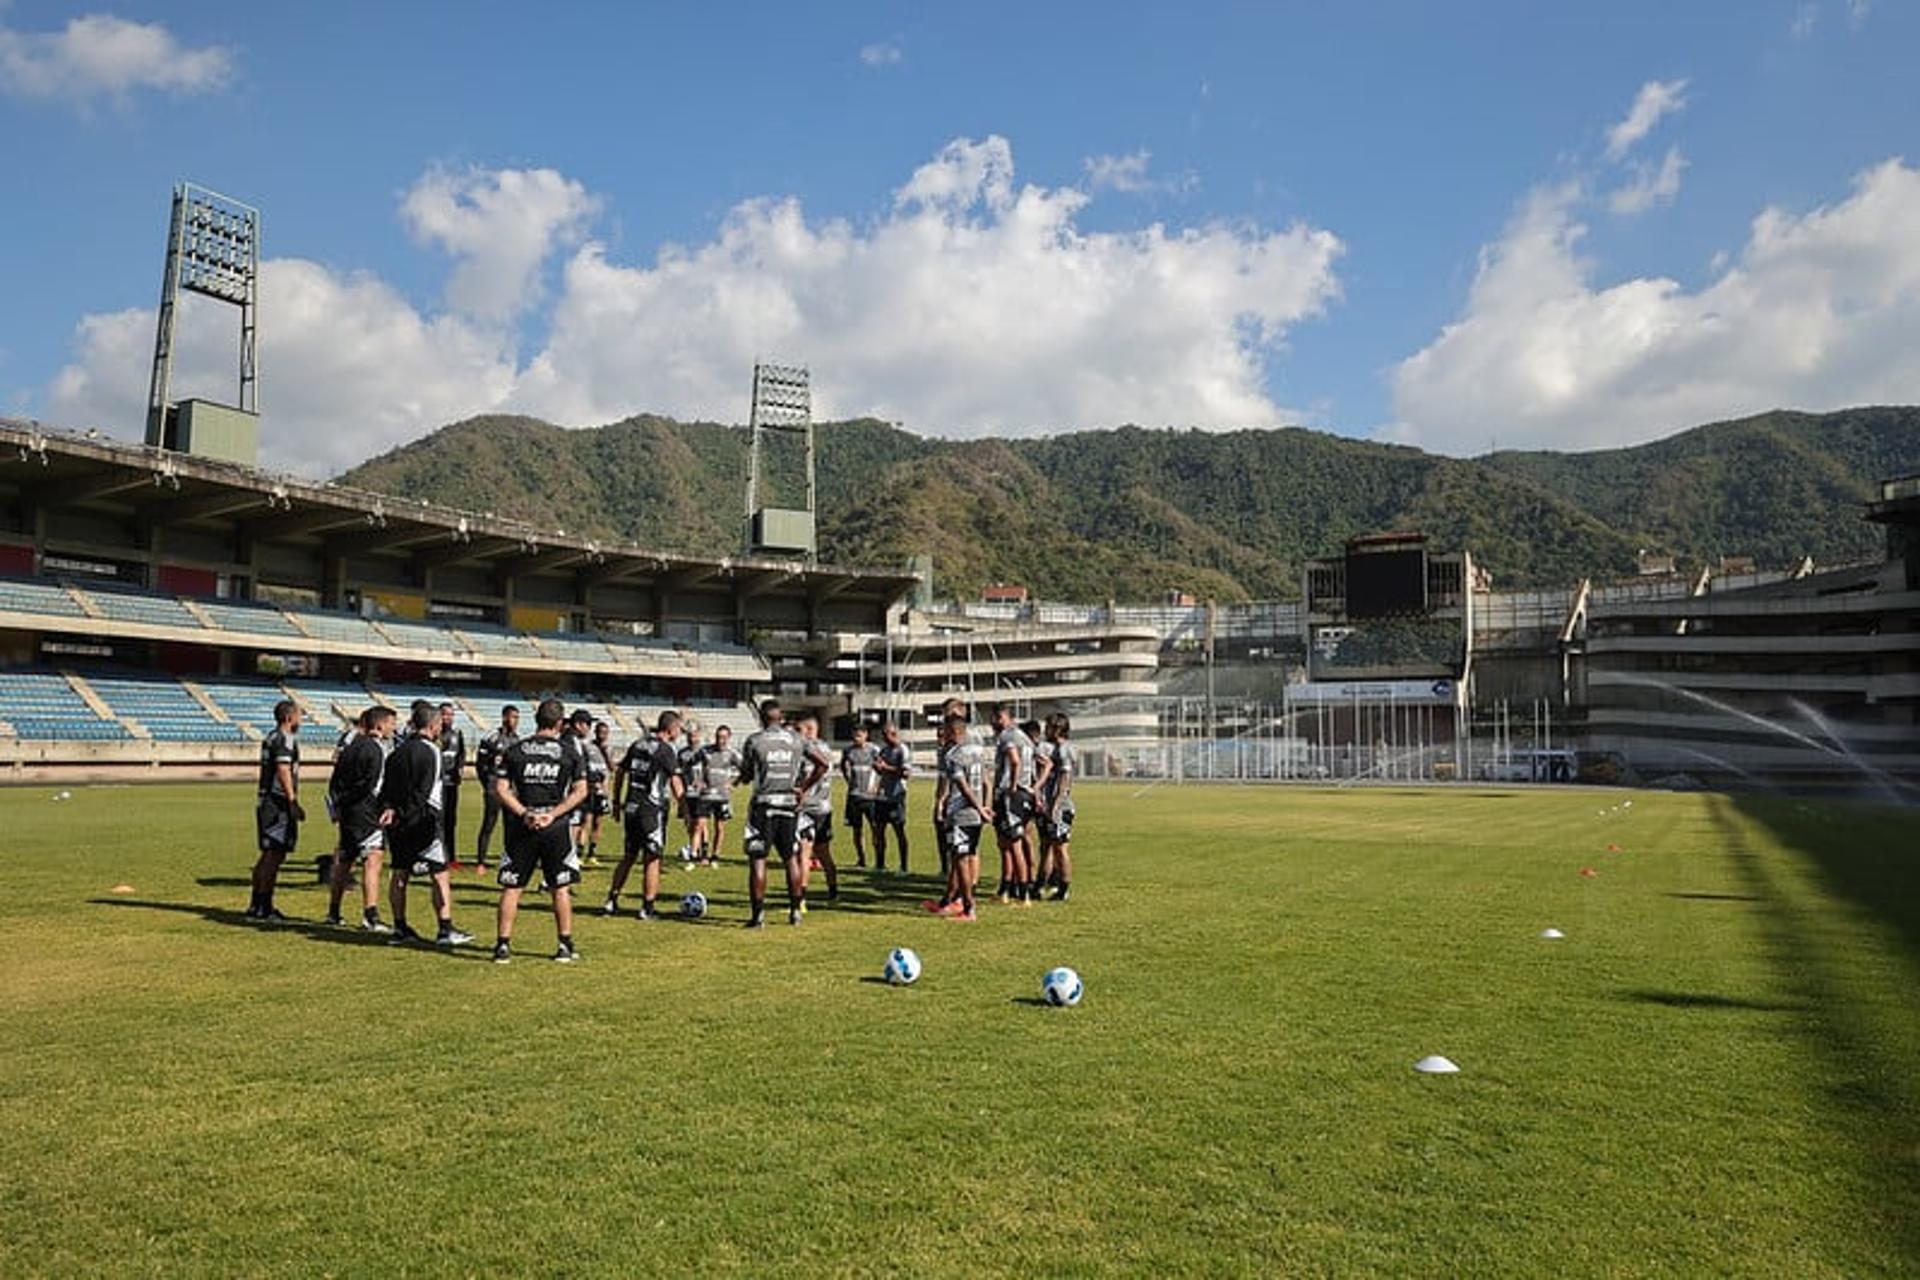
x: 1130, y: 513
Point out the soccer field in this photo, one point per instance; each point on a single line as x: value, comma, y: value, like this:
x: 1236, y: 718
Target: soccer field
x: 1717, y: 1070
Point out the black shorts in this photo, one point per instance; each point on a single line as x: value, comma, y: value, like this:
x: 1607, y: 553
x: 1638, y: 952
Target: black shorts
x: 771, y: 830
x: 859, y: 810
x: 1057, y: 830
x: 274, y: 823
x: 961, y: 841
x: 599, y: 804
x: 416, y: 847
x: 646, y: 830
x: 1012, y: 811
x: 550, y: 850
x: 715, y: 808
x: 887, y: 812
x: 359, y: 838
x: 817, y: 827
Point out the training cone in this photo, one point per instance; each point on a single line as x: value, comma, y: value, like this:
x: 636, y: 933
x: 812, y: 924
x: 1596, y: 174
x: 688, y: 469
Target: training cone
x: 123, y: 888
x: 1613, y: 848
x: 1435, y: 1065
x: 1552, y: 933
x: 1588, y: 872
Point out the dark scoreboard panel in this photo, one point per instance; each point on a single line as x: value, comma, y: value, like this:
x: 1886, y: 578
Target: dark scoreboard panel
x: 1386, y: 584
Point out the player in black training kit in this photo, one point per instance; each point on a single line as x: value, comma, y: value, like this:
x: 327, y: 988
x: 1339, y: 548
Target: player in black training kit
x: 539, y: 784
x: 716, y: 767
x: 892, y: 766
x: 816, y: 810
x: 410, y: 799
x: 856, y: 766
x: 687, y: 760
x: 1012, y: 806
x: 646, y: 789
x: 774, y: 762
x: 599, y: 771
x: 573, y: 740
x: 486, y: 766
x: 453, y: 758
x: 276, y: 813
x: 353, y: 793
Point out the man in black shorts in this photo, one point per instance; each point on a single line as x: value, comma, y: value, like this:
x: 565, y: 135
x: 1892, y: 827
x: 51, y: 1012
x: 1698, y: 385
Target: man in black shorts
x: 599, y: 774
x: 486, y: 767
x: 892, y: 766
x: 646, y: 789
x: 353, y: 793
x: 856, y: 766
x: 687, y: 758
x: 276, y: 812
x: 573, y: 740
x: 453, y: 760
x: 717, y: 768
x: 539, y: 784
x: 1012, y: 806
x: 816, y: 809
x: 774, y: 762
x: 963, y: 796
x: 410, y: 798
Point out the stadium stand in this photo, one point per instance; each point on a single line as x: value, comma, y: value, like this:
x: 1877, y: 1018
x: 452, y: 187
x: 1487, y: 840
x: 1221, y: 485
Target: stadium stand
x: 119, y: 604
x: 19, y: 595
x: 246, y: 703
x: 165, y: 709
x: 44, y: 706
x: 259, y: 620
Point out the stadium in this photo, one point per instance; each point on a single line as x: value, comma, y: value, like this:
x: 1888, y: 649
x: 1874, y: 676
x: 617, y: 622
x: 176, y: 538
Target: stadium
x: 1398, y: 920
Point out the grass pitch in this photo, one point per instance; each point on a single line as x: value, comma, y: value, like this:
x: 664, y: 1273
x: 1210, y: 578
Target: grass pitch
x: 1718, y: 1069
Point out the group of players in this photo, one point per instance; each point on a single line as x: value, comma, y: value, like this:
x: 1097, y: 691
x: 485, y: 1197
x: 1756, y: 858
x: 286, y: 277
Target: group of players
x: 395, y: 787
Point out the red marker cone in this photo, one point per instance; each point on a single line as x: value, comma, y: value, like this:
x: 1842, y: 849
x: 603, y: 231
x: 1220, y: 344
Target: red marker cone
x: 1613, y: 848
x: 1588, y: 872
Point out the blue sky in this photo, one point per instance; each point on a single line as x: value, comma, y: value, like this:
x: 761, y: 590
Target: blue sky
x: 1400, y: 220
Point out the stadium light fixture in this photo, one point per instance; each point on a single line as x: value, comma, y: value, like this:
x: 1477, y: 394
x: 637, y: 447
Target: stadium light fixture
x: 782, y: 407
x: 213, y: 249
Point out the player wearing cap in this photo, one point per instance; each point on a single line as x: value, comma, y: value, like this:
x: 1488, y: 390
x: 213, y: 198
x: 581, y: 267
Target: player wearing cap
x: 774, y: 762
x: 645, y: 789
x: 539, y: 784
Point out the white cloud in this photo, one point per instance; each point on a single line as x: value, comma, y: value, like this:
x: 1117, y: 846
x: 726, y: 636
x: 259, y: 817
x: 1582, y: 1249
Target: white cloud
x: 1656, y: 99
x: 100, y: 55
x: 1804, y: 19
x: 347, y: 367
x: 972, y: 304
x: 1649, y: 185
x: 500, y: 224
x: 1816, y: 311
x: 1129, y: 173
x: 975, y: 305
x: 1857, y: 11
x: 882, y: 53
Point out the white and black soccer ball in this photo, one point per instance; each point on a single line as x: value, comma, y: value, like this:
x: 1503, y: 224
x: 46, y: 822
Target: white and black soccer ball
x: 902, y: 967
x: 693, y: 905
x: 1061, y: 987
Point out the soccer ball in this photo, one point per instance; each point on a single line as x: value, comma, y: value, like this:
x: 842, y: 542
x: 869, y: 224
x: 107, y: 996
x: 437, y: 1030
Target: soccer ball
x: 902, y: 967
x: 1061, y: 987
x: 693, y: 906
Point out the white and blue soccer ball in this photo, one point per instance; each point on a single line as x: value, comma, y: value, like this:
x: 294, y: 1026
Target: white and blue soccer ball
x: 1061, y: 987
x: 902, y: 967
x: 693, y: 905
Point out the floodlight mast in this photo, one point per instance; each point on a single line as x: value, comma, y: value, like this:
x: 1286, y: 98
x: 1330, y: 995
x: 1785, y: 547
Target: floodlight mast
x: 213, y: 249
x: 782, y: 406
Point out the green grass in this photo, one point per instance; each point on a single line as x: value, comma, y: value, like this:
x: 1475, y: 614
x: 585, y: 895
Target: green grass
x: 1718, y: 1071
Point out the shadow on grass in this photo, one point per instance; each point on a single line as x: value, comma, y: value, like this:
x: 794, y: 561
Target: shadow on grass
x: 1872, y: 1094
x: 1716, y: 897
x: 1707, y: 1000
x: 311, y: 930
x: 1034, y: 1001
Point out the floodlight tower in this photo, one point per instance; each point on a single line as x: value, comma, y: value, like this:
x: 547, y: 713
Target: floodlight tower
x: 782, y: 409
x: 213, y: 249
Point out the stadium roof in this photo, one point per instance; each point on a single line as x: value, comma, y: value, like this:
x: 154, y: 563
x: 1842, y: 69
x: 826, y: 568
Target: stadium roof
x: 167, y: 489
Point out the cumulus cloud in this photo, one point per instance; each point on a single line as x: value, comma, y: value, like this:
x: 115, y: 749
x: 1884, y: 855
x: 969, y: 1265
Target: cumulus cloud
x: 1817, y: 310
x: 500, y: 225
x: 882, y: 53
x: 1129, y: 173
x: 103, y: 56
x: 1656, y: 100
x: 1650, y: 185
x: 973, y: 304
x: 1804, y: 19
x: 348, y: 368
